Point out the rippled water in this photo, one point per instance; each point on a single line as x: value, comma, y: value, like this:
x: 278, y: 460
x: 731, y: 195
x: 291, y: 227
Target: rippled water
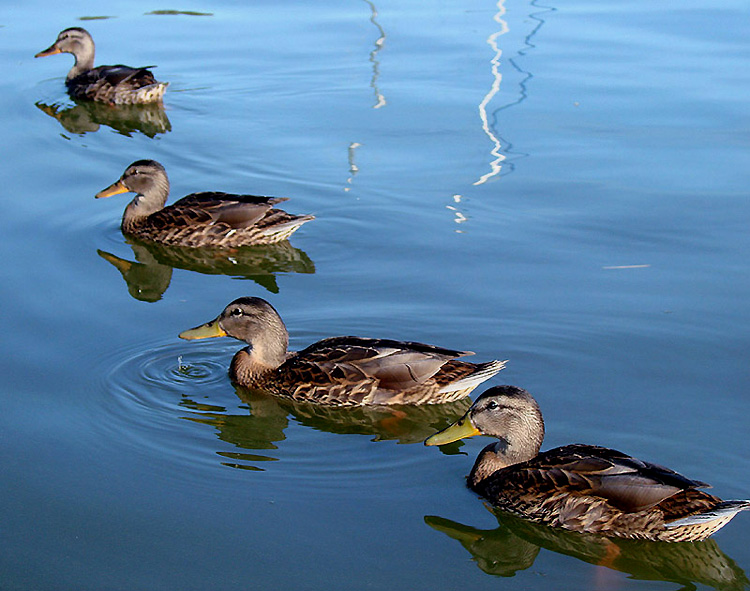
x: 560, y: 185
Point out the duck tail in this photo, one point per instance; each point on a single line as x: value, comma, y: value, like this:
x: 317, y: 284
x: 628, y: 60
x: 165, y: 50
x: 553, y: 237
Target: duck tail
x: 153, y: 93
x: 483, y: 372
x: 282, y: 231
x: 724, y: 511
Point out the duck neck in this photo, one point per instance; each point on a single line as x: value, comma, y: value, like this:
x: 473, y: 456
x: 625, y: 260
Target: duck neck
x: 245, y: 371
x: 150, y: 201
x: 268, y: 349
x: 507, y: 452
x: 251, y: 364
x: 84, y: 60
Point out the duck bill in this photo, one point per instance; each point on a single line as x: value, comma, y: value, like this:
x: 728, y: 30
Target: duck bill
x: 113, y: 189
x: 204, y: 331
x: 121, y: 265
x: 461, y: 429
x: 51, y: 50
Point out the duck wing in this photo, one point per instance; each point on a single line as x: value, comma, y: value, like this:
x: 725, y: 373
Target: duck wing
x: 117, y: 75
x: 214, y: 208
x: 117, y: 85
x: 135, y: 77
x: 627, y: 483
x: 394, y: 365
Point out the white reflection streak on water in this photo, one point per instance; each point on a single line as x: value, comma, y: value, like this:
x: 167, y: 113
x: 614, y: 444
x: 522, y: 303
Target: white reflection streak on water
x: 379, y: 97
x: 459, y: 217
x: 496, y: 78
x: 379, y: 43
x: 353, y: 168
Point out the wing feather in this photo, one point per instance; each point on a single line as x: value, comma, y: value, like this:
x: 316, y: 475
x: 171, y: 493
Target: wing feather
x: 394, y: 365
x: 626, y: 482
x: 214, y: 208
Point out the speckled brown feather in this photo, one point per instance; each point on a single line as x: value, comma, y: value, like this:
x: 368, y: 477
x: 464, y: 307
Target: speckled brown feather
x: 345, y: 371
x: 626, y: 482
x: 117, y: 85
x: 217, y: 219
x: 570, y: 487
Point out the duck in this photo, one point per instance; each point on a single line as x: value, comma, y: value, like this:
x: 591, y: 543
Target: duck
x: 206, y: 219
x: 115, y: 85
x: 579, y: 487
x: 339, y: 371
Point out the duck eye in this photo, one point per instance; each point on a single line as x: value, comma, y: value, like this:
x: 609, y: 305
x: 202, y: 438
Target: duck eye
x: 492, y: 405
x: 236, y: 312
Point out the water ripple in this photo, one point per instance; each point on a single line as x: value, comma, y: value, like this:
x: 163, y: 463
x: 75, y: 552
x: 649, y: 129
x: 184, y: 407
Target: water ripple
x: 165, y: 367
x: 147, y: 384
x: 175, y: 403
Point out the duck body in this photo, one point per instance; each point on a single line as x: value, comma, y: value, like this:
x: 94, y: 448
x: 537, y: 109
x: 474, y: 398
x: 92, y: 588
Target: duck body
x: 599, y: 490
x: 115, y: 85
x: 350, y: 370
x: 340, y: 371
x: 213, y: 218
x: 579, y: 487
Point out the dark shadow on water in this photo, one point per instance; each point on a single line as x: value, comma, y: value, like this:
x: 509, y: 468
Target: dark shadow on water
x: 148, y: 277
x: 88, y: 116
x: 514, y: 545
x: 178, y: 13
x: 269, y: 416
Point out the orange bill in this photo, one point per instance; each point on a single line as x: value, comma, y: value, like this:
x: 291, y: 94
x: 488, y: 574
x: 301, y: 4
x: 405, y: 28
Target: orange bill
x: 113, y: 189
x: 51, y: 50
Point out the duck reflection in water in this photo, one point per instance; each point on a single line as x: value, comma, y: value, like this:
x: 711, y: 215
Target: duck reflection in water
x: 269, y: 416
x: 514, y: 545
x: 149, y: 276
x: 87, y: 117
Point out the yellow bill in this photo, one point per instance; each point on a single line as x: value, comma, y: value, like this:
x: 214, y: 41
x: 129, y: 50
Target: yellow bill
x: 204, y: 331
x: 461, y: 429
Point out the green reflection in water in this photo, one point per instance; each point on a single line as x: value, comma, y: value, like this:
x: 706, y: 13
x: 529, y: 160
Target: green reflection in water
x: 269, y: 416
x: 514, y: 545
x: 88, y: 116
x: 149, y: 276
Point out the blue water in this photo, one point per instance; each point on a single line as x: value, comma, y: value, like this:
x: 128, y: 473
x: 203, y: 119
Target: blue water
x: 560, y: 185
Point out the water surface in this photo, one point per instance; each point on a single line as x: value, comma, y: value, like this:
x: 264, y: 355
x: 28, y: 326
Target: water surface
x: 561, y: 185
